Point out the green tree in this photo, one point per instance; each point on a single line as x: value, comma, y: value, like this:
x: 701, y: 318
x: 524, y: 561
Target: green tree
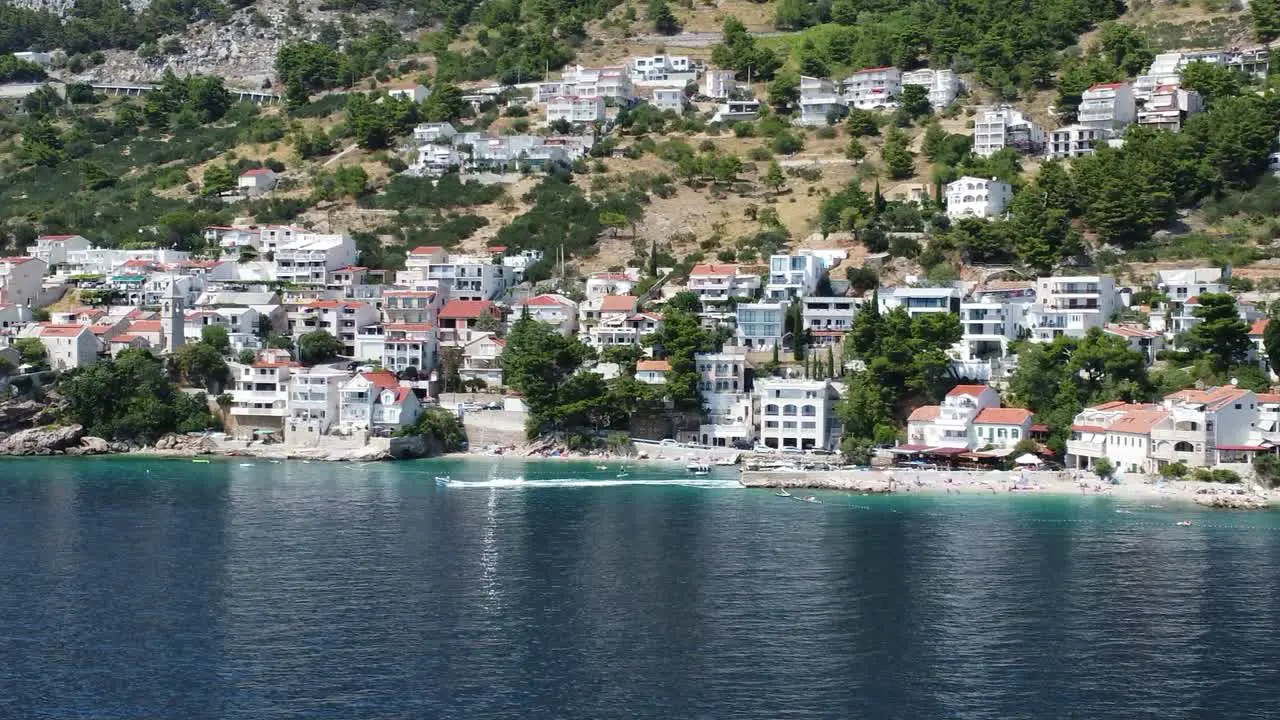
x: 1104, y: 468
x: 246, y: 357
x: 216, y: 337
x: 445, y: 104
x: 898, y: 160
x: 1271, y: 343
x: 201, y: 364
x: 913, y: 102
x: 784, y: 92
x: 31, y: 351
x: 1213, y: 82
x: 664, y: 21
x: 93, y: 176
x: 677, y: 340
x: 218, y: 179
x: 1220, y: 334
x: 317, y: 346
x: 537, y: 362
x: 685, y: 301
x: 1266, y: 19
x: 351, y: 180
x: 773, y: 178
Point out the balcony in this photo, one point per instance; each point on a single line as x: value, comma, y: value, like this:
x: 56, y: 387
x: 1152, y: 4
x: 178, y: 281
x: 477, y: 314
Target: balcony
x: 1200, y: 436
x: 1086, y: 448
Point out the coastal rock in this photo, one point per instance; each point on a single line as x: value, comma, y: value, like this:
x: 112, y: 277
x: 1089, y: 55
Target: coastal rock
x: 194, y: 444
x: 42, y: 441
x: 1234, y: 502
x: 94, y: 446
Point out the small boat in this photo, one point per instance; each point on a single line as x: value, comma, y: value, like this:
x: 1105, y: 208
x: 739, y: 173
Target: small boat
x: 602, y: 467
x: 1183, y: 523
x: 814, y: 500
x: 726, y: 461
x: 202, y: 461
x: 442, y: 480
x: 782, y: 493
x: 698, y: 468
x: 700, y: 473
x: 246, y: 464
x: 622, y: 474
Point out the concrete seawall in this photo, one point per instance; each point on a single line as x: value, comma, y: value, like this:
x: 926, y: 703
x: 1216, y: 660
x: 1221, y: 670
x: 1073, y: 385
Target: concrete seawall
x: 880, y: 481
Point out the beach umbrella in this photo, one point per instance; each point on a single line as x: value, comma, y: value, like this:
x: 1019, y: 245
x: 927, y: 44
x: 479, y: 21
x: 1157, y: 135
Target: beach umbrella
x: 1027, y: 459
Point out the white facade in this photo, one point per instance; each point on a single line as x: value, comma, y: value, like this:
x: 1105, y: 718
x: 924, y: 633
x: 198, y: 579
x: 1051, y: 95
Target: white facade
x: 831, y: 316
x: 1166, y: 68
x: 1071, y: 306
x: 411, y: 306
x: 575, y: 109
x: 669, y: 99
x: 553, y: 309
x: 68, y: 346
x: 1074, y: 141
x: 718, y: 84
x: 256, y: 181
x: 969, y: 417
x: 760, y: 326
x: 260, y: 390
x: 943, y: 85
x: 977, y: 197
x: 998, y: 128
x: 919, y: 300
x: 1107, y: 106
x: 873, y: 88
x: 820, y: 101
x: 651, y: 69
x: 340, y: 318
x: 306, y: 259
x: 730, y: 410
x: 412, y: 92
x: 732, y: 111
x: 429, y: 133
x: 52, y: 249
x: 314, y: 396
x: 611, y: 283
x: 1167, y: 106
x: 990, y: 322
x: 714, y: 283
x: 470, y: 277
x: 797, y: 414
x: 792, y: 276
x: 21, y: 280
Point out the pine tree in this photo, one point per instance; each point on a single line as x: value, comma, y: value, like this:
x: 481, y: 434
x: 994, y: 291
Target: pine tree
x: 831, y: 362
x: 1266, y: 19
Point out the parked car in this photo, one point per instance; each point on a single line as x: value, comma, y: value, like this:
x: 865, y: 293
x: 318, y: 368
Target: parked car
x: 669, y: 442
x: 764, y: 449
x: 792, y: 451
x: 493, y: 406
x: 470, y: 406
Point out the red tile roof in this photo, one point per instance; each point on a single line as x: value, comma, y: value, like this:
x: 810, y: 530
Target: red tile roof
x: 382, y: 379
x: 410, y: 327
x: 1088, y: 428
x: 1268, y: 398
x: 465, y: 309
x: 56, y: 238
x: 1105, y: 86
x: 1002, y: 416
x: 967, y: 390
x: 1212, y: 398
x: 254, y: 172
x: 126, y: 338
x: 426, y: 250
x: 144, y: 326
x: 924, y: 413
x: 653, y: 366
x: 62, y: 330
x: 611, y: 276
x: 618, y: 303
x: 1137, y: 421
x: 1258, y: 327
x: 543, y: 301
x: 1130, y: 331
x: 713, y: 269
x: 16, y: 260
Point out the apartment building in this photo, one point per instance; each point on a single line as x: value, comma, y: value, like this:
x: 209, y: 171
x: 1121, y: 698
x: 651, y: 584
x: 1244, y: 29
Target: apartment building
x: 21, y: 280
x: 1118, y: 431
x: 920, y: 300
x: 661, y: 69
x: 792, y: 276
x: 575, y: 109
x: 411, y: 306
x: 732, y: 111
x: 718, y: 84
x: 1167, y: 107
x: 990, y: 321
x: 376, y: 401
x: 977, y: 197
x: 652, y: 372
x: 1074, y: 141
x: 1147, y: 343
x: 797, y: 414
x: 409, y: 345
x: 760, y: 326
x: 1166, y: 68
x: 68, y: 346
x: 828, y: 318
x: 612, y: 283
x: 307, y: 258
x: 459, y: 319
x: 260, y: 391
x: 1107, y: 106
x: 730, y: 411
x: 669, y: 99
x: 820, y: 102
x: 1071, y: 305
x: 52, y: 249
x: 340, y: 318
x: 969, y: 417
x: 482, y: 359
x: 873, y: 88
x: 1004, y: 127
x: 942, y: 85
x: 314, y: 399
x: 553, y: 309
x: 715, y: 284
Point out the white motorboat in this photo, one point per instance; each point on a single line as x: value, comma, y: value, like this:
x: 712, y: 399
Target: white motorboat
x: 698, y: 467
x: 782, y: 493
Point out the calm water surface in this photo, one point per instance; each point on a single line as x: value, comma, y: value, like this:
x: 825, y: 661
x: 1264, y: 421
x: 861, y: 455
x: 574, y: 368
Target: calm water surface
x: 166, y: 589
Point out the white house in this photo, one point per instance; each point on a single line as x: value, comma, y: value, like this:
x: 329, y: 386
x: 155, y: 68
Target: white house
x: 612, y: 283
x: 977, y: 197
x: 1071, y: 305
x: 575, y: 109
x: 942, y: 85
x: 718, y: 84
x: 820, y: 102
x: 410, y: 91
x: 873, y: 88
x: 52, y: 249
x: 306, y: 259
x: 260, y: 391
x: 340, y: 318
x: 669, y: 99
x: 375, y: 400
x: 256, y: 181
x: 554, y: 309
x: 1002, y: 127
x: 714, y: 283
x: 828, y: 318
x: 68, y: 346
x: 1140, y: 340
x: 797, y: 414
x: 652, y: 372
x: 411, y: 306
x: 314, y: 399
x: 760, y: 326
x: 990, y: 321
x: 969, y: 418
x: 653, y: 69
x: 1107, y: 106
x: 919, y: 300
x: 43, y: 59
x: 792, y: 276
x: 1074, y: 141
x: 1167, y: 107
x: 436, y: 132
x: 482, y: 359
x: 21, y: 279
x: 730, y: 409
x: 732, y: 111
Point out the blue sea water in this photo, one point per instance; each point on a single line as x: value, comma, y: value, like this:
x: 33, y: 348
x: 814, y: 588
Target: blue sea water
x: 137, y: 588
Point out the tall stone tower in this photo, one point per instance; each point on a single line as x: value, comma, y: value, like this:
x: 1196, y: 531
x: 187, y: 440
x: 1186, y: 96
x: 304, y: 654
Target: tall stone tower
x: 172, y: 318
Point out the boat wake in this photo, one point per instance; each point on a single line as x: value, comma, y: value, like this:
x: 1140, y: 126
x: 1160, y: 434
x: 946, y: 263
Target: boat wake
x: 520, y: 482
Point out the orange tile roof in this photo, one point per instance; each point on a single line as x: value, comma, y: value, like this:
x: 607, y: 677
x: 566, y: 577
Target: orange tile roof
x: 62, y: 330
x: 1002, y: 416
x: 382, y: 379
x: 653, y: 366
x: 410, y: 327
x: 618, y: 303
x: 465, y: 309
x: 967, y: 390
x: 126, y: 338
x: 1258, y: 327
x: 543, y: 301
x: 1137, y: 421
x: 426, y: 250
x: 1130, y: 331
x: 144, y: 326
x: 713, y: 269
x: 1212, y: 398
x: 1268, y: 398
x: 924, y: 413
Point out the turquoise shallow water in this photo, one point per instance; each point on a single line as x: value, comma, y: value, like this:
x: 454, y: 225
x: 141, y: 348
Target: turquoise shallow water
x: 159, y: 588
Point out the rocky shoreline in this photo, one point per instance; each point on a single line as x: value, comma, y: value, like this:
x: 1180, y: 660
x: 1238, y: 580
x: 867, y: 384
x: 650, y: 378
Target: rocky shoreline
x: 70, y: 441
